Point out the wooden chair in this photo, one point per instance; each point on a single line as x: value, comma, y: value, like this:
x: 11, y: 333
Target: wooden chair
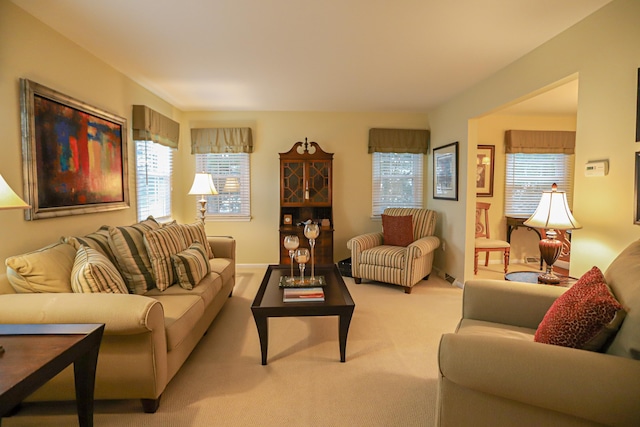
x: 484, y: 242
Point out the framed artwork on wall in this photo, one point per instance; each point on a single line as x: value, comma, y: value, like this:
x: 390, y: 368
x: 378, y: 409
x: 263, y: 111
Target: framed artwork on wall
x: 484, y: 170
x: 636, y: 189
x: 638, y: 110
x: 445, y: 172
x: 74, y: 155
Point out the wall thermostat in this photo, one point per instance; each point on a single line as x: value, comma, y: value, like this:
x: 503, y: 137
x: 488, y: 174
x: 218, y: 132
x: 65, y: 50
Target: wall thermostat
x: 596, y: 168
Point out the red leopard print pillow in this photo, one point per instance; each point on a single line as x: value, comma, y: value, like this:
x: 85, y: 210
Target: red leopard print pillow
x: 583, y: 317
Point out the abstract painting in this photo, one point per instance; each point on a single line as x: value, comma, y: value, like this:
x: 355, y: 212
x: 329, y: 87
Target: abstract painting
x: 74, y: 155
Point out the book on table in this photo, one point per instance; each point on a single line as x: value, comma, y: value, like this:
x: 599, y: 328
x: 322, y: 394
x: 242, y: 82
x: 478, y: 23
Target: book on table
x: 303, y: 294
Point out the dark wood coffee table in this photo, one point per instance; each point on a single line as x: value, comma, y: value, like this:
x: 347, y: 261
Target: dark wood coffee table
x: 33, y: 354
x: 268, y: 303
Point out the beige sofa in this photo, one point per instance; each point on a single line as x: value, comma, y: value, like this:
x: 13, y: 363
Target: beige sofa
x: 147, y: 337
x: 492, y: 373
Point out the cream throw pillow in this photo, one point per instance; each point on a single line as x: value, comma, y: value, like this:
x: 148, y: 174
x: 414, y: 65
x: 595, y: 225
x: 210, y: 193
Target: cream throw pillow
x: 93, y: 272
x: 45, y: 270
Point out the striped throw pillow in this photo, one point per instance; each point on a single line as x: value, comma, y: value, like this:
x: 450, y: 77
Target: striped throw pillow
x: 93, y: 272
x: 191, y: 265
x: 127, y: 244
x: 98, y: 240
x: 195, y: 233
x: 161, y: 244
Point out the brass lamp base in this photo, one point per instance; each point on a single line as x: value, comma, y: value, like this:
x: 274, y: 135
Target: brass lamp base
x: 550, y: 249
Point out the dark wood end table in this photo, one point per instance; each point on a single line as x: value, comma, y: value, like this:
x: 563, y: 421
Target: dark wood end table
x: 268, y: 303
x: 36, y: 353
x: 532, y: 277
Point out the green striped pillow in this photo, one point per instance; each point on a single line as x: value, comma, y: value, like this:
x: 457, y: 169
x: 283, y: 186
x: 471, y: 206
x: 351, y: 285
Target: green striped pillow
x: 191, y: 265
x: 195, y: 233
x: 161, y: 244
x: 127, y: 244
x: 93, y: 272
x: 98, y: 240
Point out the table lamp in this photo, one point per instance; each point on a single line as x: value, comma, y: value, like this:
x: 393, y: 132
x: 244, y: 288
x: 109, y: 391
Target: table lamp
x: 203, y: 185
x: 9, y: 200
x: 552, y: 214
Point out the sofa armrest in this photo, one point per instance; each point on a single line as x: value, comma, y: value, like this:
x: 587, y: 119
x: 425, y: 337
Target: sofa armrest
x: 423, y: 246
x: 510, y: 303
x: 122, y: 314
x: 223, y: 246
x: 594, y: 386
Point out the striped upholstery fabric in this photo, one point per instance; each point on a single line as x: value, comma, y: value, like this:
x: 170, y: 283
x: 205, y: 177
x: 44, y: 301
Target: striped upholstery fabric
x: 93, y: 272
x: 195, y: 233
x: 98, y: 240
x: 161, y: 243
x: 191, y: 265
x: 127, y: 244
x: 403, y: 266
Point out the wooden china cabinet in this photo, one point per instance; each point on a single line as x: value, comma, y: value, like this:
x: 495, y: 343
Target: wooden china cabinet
x: 306, y: 194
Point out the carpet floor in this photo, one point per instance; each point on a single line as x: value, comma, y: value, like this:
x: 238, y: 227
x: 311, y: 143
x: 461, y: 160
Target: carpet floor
x: 389, y: 378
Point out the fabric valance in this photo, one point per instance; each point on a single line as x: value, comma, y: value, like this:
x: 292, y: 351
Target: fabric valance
x: 398, y: 140
x: 221, y: 140
x: 540, y: 141
x: 149, y: 125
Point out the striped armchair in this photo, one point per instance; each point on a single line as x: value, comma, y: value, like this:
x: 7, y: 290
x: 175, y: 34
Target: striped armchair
x: 398, y: 265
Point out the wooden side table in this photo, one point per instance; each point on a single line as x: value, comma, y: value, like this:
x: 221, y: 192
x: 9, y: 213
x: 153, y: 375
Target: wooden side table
x: 36, y: 353
x: 532, y: 277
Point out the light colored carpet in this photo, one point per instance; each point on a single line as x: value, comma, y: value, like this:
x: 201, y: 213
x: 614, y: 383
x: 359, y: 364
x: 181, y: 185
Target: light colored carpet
x: 389, y: 378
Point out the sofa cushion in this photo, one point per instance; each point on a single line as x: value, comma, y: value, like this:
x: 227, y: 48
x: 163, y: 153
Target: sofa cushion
x: 397, y: 230
x: 181, y: 314
x: 45, y: 270
x: 224, y: 267
x: 191, y: 265
x: 161, y: 244
x: 98, y: 240
x: 93, y: 272
x: 195, y: 233
x: 623, y: 278
x: 583, y: 317
x: 207, y: 289
x: 127, y: 244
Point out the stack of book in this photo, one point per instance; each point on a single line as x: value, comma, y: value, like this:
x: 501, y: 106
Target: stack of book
x: 303, y: 294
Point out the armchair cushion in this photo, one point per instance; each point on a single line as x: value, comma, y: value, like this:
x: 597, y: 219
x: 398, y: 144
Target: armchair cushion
x: 583, y: 317
x: 397, y: 230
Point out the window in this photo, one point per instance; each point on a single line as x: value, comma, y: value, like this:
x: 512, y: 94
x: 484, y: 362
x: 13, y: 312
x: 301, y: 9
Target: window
x: 231, y: 176
x: 153, y: 179
x: 528, y: 175
x: 397, y: 181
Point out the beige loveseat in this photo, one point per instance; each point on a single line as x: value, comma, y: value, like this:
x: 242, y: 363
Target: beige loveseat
x: 492, y: 373
x: 147, y: 337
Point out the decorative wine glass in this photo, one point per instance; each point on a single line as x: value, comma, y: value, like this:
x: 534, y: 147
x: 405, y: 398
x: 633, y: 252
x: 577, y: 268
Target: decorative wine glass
x: 311, y: 231
x: 302, y: 257
x: 291, y: 242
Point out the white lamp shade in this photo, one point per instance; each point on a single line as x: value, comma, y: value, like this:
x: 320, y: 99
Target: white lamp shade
x: 8, y: 198
x: 553, y: 212
x: 203, y: 184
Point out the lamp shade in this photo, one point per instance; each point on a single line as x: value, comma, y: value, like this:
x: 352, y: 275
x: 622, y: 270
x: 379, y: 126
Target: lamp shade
x: 553, y: 212
x: 8, y: 198
x: 203, y: 184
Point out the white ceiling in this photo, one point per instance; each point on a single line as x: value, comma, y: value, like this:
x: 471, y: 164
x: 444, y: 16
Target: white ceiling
x: 309, y: 55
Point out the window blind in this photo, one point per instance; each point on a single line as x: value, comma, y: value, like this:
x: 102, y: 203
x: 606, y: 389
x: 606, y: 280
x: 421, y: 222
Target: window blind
x: 397, y: 181
x: 154, y: 163
x: 231, y: 176
x: 528, y: 175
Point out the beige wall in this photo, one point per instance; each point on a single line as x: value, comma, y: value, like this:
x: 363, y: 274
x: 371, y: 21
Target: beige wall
x: 491, y: 129
x: 604, y: 50
x: 31, y: 50
x: 344, y: 134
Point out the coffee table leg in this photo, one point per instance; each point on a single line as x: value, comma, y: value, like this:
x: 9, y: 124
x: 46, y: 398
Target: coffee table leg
x: 345, y: 321
x: 84, y: 369
x: 263, y: 334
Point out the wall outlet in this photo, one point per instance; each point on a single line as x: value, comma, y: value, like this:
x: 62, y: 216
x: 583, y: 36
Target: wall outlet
x: 444, y: 246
